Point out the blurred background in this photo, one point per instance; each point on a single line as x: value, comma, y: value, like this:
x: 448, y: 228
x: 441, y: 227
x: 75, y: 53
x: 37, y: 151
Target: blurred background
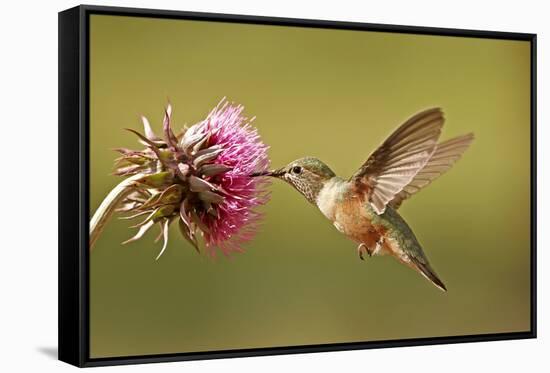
x: 335, y: 95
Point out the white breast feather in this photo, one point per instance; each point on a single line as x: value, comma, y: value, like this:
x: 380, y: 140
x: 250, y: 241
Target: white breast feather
x: 327, y: 197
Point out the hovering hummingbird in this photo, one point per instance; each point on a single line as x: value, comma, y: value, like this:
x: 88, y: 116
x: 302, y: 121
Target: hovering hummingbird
x: 364, y: 207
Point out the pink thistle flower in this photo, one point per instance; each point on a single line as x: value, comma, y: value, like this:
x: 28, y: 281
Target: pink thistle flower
x: 237, y: 219
x: 200, y: 177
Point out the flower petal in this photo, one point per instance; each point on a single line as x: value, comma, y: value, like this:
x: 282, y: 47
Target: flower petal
x: 171, y: 195
x: 190, y: 139
x: 206, y: 155
x: 197, y: 184
x: 190, y: 237
x: 142, y: 230
x: 158, y: 180
x: 149, y: 133
x: 134, y: 215
x: 168, y: 134
x: 147, y: 219
x: 199, y: 145
x: 184, y: 215
x: 211, y: 197
x: 165, y: 226
x: 182, y: 170
x: 197, y: 220
x: 213, y: 169
x: 147, y: 142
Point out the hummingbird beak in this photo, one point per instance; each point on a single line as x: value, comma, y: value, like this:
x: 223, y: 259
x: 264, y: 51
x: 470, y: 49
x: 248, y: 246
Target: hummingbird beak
x: 274, y: 173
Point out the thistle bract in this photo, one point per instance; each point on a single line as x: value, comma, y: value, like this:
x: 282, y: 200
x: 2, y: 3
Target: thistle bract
x: 199, y: 178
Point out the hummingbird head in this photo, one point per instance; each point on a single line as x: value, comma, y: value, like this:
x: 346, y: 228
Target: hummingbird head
x: 307, y: 175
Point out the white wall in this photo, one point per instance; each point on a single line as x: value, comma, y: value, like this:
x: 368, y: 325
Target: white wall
x: 28, y: 132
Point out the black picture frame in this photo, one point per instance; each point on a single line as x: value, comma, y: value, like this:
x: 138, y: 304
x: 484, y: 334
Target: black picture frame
x: 74, y: 187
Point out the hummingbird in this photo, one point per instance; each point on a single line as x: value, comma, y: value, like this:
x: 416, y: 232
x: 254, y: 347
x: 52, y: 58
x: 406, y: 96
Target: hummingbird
x: 364, y: 206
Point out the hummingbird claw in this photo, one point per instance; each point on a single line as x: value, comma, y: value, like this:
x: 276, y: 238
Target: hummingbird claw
x: 361, y: 249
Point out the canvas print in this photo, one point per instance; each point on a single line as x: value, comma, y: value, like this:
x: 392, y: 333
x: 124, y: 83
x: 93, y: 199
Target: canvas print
x: 257, y: 186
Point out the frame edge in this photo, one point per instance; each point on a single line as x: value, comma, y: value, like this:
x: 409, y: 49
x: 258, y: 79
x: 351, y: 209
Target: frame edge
x: 70, y: 348
x: 533, y: 42
x: 305, y: 22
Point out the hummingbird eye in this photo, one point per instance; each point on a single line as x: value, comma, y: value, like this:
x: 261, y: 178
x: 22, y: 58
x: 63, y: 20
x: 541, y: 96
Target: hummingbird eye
x: 296, y: 170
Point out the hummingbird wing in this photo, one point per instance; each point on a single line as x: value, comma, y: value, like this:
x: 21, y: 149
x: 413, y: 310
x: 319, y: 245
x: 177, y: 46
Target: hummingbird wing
x: 397, y: 161
x: 444, y: 157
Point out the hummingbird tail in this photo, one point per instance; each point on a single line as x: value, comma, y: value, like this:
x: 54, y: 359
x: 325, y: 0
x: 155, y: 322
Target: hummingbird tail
x: 427, y: 271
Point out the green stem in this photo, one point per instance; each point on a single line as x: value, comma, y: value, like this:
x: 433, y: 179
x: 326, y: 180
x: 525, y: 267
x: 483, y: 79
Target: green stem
x: 107, y: 208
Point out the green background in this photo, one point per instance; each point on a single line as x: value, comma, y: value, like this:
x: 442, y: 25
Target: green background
x: 335, y: 95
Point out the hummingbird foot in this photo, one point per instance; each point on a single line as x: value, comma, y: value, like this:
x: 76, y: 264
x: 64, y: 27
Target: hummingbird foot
x: 362, y: 249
